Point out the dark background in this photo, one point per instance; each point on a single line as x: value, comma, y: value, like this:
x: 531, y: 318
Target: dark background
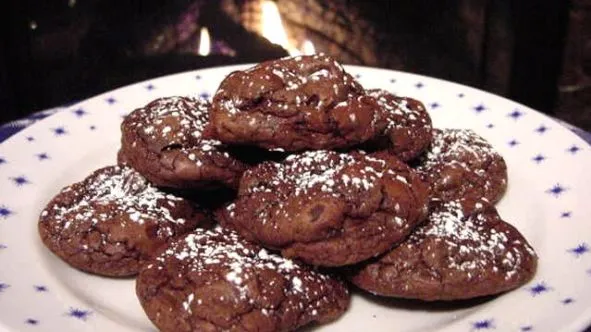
x: 536, y: 52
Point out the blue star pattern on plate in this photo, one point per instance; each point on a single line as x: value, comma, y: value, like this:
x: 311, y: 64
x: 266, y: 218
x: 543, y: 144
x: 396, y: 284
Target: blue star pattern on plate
x: 486, y: 324
x: 40, y: 288
x: 20, y: 180
x: 480, y: 108
x: 92, y: 127
x: 461, y: 95
x: 31, y: 321
x: 42, y: 156
x: 79, y: 313
x: 526, y: 328
x: 568, y: 301
x: 197, y: 77
x: 556, y: 190
x: 542, y: 129
x: 579, y: 250
x: 59, y: 131
x: 3, y: 246
x: 30, y: 138
x: 538, y: 158
x: 419, y: 85
x: 566, y: 214
x: 79, y: 112
x: 2, y: 160
x: 111, y: 100
x: 3, y: 286
x: 150, y: 87
x: 435, y: 105
x: 5, y: 212
x: 205, y: 95
x: 573, y: 149
x: 538, y: 289
x: 516, y: 114
x: 490, y: 126
x: 392, y: 80
x: 513, y: 143
x: 357, y: 76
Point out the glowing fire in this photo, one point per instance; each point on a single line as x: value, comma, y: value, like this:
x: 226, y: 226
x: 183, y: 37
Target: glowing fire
x: 204, y: 42
x: 308, y: 48
x: 272, y: 28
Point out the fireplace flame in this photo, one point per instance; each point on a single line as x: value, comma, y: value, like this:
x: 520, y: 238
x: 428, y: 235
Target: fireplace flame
x: 204, y: 42
x: 272, y: 27
x: 308, y: 48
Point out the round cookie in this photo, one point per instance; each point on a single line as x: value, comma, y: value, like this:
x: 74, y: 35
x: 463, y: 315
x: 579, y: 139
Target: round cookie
x: 464, y: 250
x: 110, y: 222
x: 409, y: 129
x: 460, y: 163
x: 217, y: 281
x: 300, y: 103
x: 327, y: 208
x: 165, y: 142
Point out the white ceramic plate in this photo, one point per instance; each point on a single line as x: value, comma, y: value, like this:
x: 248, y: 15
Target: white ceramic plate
x: 547, y: 200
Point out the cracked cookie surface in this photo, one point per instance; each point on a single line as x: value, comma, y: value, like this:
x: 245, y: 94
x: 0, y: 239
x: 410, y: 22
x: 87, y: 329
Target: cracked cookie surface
x: 166, y: 142
x: 327, y: 208
x: 110, y: 222
x: 460, y: 163
x: 293, y: 104
x: 408, y: 129
x: 217, y: 281
x: 463, y: 250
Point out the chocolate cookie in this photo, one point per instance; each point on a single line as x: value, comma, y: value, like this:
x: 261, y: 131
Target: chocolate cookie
x: 463, y: 250
x: 328, y: 208
x: 306, y: 102
x: 460, y: 163
x: 409, y: 130
x: 164, y: 141
x: 217, y: 281
x: 110, y: 222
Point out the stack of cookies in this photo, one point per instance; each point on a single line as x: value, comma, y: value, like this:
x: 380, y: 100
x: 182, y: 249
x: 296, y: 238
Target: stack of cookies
x: 256, y: 211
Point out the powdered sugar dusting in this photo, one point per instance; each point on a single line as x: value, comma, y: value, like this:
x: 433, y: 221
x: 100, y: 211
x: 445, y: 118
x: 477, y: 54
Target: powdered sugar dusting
x: 477, y: 240
x: 177, y: 122
x: 291, y: 75
x: 300, y: 178
x: 459, y: 162
x: 460, y: 145
x: 325, y: 171
x: 113, y: 192
x: 399, y: 114
x: 238, y: 262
